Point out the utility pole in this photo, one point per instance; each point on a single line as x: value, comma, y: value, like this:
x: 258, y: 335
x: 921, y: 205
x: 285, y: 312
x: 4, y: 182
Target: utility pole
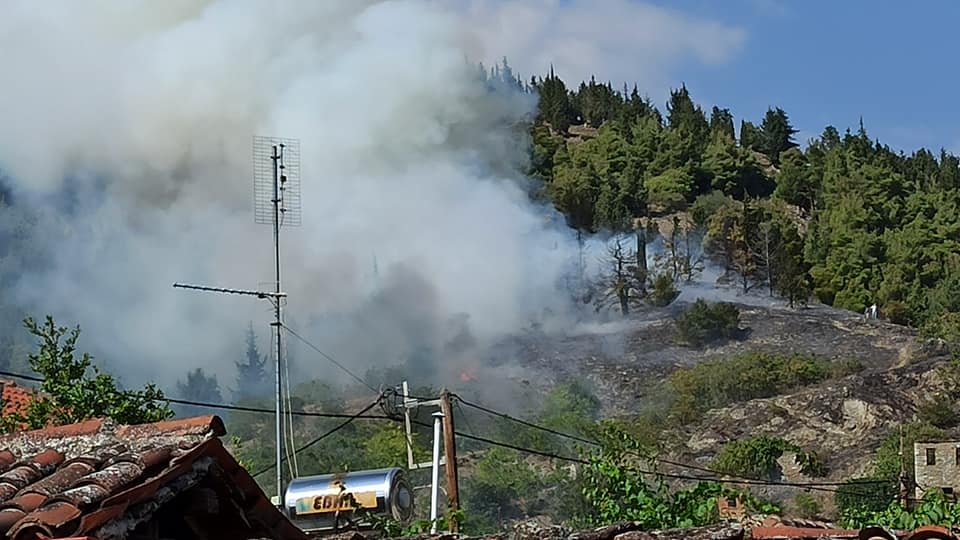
x: 450, y: 453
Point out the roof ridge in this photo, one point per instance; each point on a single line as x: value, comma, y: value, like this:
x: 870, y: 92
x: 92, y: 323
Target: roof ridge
x: 197, y: 425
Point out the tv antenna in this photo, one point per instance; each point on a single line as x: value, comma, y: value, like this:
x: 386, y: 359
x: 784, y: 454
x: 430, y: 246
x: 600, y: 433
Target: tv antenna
x: 276, y: 201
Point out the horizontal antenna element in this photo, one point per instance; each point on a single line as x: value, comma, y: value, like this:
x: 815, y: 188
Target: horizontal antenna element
x: 258, y: 294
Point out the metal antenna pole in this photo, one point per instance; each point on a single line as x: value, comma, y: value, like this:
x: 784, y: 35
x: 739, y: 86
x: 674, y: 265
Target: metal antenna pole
x: 277, y: 152
x: 277, y: 202
x: 276, y: 198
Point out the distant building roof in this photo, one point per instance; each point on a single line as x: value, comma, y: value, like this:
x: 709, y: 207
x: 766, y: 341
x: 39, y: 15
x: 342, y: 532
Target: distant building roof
x: 171, y: 479
x: 14, y: 398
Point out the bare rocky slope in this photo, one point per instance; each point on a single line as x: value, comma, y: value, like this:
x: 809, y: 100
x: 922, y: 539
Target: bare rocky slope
x: 844, y: 420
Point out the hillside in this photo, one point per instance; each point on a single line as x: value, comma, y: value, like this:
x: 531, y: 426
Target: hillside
x: 844, y: 419
x: 622, y: 358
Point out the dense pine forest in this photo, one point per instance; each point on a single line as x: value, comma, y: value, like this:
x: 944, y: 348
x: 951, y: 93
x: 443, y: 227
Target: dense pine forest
x: 842, y: 218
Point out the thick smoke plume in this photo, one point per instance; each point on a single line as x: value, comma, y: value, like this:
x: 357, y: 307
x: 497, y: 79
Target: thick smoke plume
x: 131, y: 123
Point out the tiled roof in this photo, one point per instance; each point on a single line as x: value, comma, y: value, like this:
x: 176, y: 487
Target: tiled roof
x: 104, y: 480
x: 14, y: 398
x: 928, y: 532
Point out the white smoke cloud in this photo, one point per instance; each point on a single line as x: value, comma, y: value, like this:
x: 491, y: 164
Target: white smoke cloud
x: 617, y: 40
x: 144, y: 112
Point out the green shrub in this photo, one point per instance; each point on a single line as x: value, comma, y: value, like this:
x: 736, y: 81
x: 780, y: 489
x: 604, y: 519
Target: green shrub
x: 618, y: 487
x: 887, y: 461
x: 866, y: 494
x: 502, y: 487
x: 703, y: 322
x: 934, y: 509
x: 744, y: 377
x: 939, y: 411
x: 706, y: 205
x: 664, y: 290
x: 757, y: 457
x: 807, y: 506
x: 669, y: 190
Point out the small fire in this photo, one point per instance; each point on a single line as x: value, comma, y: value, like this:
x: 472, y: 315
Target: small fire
x: 467, y: 375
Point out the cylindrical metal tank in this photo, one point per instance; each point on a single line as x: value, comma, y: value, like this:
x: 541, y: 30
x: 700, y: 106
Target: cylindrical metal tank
x: 335, y: 501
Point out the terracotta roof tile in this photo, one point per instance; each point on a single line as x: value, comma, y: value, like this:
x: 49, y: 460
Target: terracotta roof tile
x: 929, y: 532
x: 786, y: 532
x: 95, y: 478
x: 14, y: 398
x: 200, y: 425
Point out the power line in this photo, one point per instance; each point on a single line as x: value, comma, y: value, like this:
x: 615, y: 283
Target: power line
x: 820, y: 486
x: 328, y: 357
x: 740, y: 479
x: 581, y: 461
x: 506, y: 416
x: 324, y: 435
x: 224, y: 406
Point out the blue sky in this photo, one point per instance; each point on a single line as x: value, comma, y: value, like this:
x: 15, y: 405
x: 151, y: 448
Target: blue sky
x: 830, y: 62
x: 824, y: 62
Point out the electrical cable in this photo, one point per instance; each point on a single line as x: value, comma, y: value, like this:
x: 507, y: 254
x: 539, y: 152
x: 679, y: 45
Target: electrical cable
x: 285, y: 446
x: 741, y: 479
x: 322, y: 436
x: 221, y: 406
x: 463, y: 416
x: 641, y: 471
x: 821, y: 486
x: 328, y: 357
x: 506, y: 416
x: 289, y: 403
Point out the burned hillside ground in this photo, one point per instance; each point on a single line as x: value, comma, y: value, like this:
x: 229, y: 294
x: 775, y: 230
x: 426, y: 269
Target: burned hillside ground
x: 627, y: 360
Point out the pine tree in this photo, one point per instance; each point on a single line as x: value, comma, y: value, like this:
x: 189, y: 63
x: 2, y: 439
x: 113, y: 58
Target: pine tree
x: 721, y: 121
x: 795, y: 182
x: 777, y: 134
x: 251, y: 373
x: 555, y: 106
x: 199, y: 387
x: 688, y: 131
x: 750, y: 136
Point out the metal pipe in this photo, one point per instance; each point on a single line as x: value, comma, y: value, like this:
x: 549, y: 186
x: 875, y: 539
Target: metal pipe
x: 435, y: 485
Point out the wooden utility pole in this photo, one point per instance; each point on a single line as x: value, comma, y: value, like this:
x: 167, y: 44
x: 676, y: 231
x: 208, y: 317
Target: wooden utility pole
x: 450, y: 453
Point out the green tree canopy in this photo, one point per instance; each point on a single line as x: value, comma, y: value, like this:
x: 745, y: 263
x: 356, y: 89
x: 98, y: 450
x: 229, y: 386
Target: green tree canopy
x: 73, y: 389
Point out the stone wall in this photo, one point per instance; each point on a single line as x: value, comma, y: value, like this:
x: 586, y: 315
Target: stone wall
x: 936, y: 465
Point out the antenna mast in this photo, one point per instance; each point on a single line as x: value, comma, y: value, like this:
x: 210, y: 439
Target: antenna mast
x: 278, y: 185
x: 276, y: 194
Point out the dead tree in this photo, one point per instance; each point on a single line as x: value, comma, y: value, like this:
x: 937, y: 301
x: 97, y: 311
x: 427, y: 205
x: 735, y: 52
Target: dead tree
x: 765, y: 250
x: 623, y: 282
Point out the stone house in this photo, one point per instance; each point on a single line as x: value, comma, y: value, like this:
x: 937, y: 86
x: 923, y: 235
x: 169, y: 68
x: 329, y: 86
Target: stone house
x: 937, y: 466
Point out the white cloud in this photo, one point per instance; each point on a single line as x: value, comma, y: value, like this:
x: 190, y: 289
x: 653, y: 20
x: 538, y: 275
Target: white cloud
x: 619, y: 40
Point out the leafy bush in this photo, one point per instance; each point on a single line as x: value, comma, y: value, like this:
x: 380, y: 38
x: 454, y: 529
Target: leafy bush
x: 71, y: 395
x: 807, y: 506
x: 934, y: 509
x: 743, y: 377
x: 757, y: 457
x: 670, y: 189
x: 866, y: 494
x: 939, y: 411
x: 702, y: 322
x: 663, y: 291
x: 617, y: 488
x: 502, y: 487
x: 707, y: 205
x: 887, y: 461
